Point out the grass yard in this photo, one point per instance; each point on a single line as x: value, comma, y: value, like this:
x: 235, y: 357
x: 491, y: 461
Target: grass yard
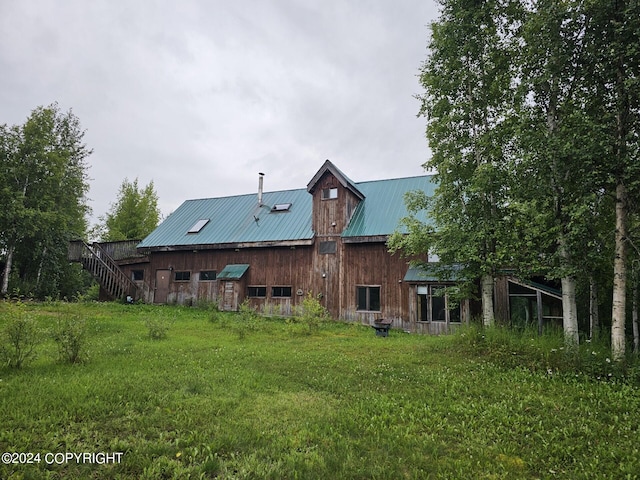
x: 230, y: 398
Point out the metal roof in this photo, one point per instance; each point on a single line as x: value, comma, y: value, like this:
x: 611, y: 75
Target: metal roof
x: 233, y: 271
x: 383, y: 206
x: 240, y: 220
x: 433, y: 272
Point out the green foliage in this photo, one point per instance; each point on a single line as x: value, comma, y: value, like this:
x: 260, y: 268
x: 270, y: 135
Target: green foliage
x: 202, y: 404
x: 248, y: 320
x: 134, y: 215
x: 312, y: 313
x: 70, y: 334
x: 20, y: 337
x: 43, y: 186
x: 157, y: 327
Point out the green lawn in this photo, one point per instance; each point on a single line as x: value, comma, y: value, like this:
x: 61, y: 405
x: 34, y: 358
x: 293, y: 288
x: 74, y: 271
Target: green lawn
x: 222, y: 399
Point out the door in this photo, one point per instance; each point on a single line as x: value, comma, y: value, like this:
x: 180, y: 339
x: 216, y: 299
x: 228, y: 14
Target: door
x: 162, y: 286
x: 229, y: 297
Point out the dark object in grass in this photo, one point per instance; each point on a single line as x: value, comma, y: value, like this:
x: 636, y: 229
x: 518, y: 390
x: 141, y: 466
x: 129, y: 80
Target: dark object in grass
x: 382, y: 327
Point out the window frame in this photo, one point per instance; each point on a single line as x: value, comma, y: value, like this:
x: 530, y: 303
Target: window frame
x: 198, y: 226
x: 429, y: 296
x: 215, y: 275
x: 257, y: 291
x: 182, y: 273
x: 367, y: 291
x: 282, y: 291
x: 137, y: 273
x: 329, y: 193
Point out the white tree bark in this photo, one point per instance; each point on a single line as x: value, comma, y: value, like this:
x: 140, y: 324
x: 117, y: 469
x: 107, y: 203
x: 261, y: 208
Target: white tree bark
x: 594, y: 316
x: 636, y: 328
x: 569, y: 311
x: 618, y: 312
x: 488, y: 314
x: 7, y: 270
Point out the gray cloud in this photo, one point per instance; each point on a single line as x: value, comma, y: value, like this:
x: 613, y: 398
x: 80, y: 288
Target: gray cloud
x: 199, y: 96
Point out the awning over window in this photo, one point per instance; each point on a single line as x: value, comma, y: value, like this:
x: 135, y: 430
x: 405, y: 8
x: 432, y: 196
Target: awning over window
x: 433, y: 272
x: 233, y: 272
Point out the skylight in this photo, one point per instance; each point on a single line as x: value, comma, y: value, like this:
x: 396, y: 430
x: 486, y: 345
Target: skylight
x: 281, y: 207
x: 199, y: 225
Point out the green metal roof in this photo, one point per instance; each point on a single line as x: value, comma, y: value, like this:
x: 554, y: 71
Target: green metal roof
x: 233, y: 272
x: 239, y: 219
x: 433, y: 272
x: 383, y: 206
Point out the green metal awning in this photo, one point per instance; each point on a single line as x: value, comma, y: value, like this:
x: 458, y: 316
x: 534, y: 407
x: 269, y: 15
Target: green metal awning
x: 433, y: 272
x: 233, y: 272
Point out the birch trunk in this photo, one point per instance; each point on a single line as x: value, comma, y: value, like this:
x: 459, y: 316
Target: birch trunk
x: 636, y: 328
x: 569, y: 307
x: 594, y: 316
x: 569, y: 312
x: 7, y: 270
x: 487, y: 301
x: 618, y: 311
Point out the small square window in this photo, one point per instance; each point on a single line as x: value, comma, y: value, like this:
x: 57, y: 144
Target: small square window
x: 182, y: 276
x: 329, y: 193
x: 137, y: 275
x: 280, y: 291
x: 199, y: 225
x: 207, y: 275
x: 258, y: 292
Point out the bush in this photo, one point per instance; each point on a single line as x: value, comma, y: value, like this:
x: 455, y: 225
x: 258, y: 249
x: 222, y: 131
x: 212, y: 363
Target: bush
x: 19, y: 339
x: 248, y: 321
x: 158, y: 327
x: 312, y: 313
x: 70, y: 334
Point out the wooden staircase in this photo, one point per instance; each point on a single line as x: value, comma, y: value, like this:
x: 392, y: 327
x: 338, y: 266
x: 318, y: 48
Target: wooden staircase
x: 105, y: 270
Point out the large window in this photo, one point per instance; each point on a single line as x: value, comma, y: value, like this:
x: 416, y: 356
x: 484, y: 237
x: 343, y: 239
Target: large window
x: 434, y: 305
x: 368, y: 298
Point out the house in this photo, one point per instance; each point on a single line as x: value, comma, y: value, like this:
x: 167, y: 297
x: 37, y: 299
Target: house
x: 274, y: 248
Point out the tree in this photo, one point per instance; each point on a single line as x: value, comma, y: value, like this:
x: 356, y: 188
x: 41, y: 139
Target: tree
x: 134, y: 215
x: 613, y: 37
x: 468, y: 102
x: 43, y: 192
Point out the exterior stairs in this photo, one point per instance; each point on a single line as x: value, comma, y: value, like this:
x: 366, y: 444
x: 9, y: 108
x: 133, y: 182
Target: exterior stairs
x: 99, y: 261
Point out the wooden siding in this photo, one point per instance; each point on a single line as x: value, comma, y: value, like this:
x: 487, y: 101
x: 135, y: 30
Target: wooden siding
x: 331, y: 216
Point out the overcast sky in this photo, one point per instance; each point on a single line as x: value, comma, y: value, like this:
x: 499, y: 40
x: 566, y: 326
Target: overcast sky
x: 201, y: 95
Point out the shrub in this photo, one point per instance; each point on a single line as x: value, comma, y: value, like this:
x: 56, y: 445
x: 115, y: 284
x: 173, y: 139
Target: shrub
x: 70, y: 334
x: 20, y: 338
x: 248, y: 321
x: 158, y: 327
x: 312, y: 313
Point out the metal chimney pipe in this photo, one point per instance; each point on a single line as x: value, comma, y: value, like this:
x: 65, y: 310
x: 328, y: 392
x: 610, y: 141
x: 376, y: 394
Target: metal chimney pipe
x: 260, y: 183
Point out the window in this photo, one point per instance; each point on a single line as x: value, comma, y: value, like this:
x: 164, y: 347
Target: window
x: 137, y: 275
x: 199, y: 225
x: 368, y: 298
x: 257, y: 291
x: 208, y: 275
x: 434, y: 305
x: 280, y: 291
x: 327, y: 247
x: 281, y: 207
x: 329, y: 193
x: 182, y: 276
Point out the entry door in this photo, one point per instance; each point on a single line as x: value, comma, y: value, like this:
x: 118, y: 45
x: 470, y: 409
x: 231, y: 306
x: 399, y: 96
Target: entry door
x: 230, y: 297
x: 162, y: 286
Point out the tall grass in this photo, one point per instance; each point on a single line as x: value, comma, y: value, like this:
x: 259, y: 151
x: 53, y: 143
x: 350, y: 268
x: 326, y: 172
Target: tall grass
x: 338, y: 403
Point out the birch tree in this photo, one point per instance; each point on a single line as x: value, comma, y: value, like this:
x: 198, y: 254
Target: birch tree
x: 468, y: 100
x: 43, y: 190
